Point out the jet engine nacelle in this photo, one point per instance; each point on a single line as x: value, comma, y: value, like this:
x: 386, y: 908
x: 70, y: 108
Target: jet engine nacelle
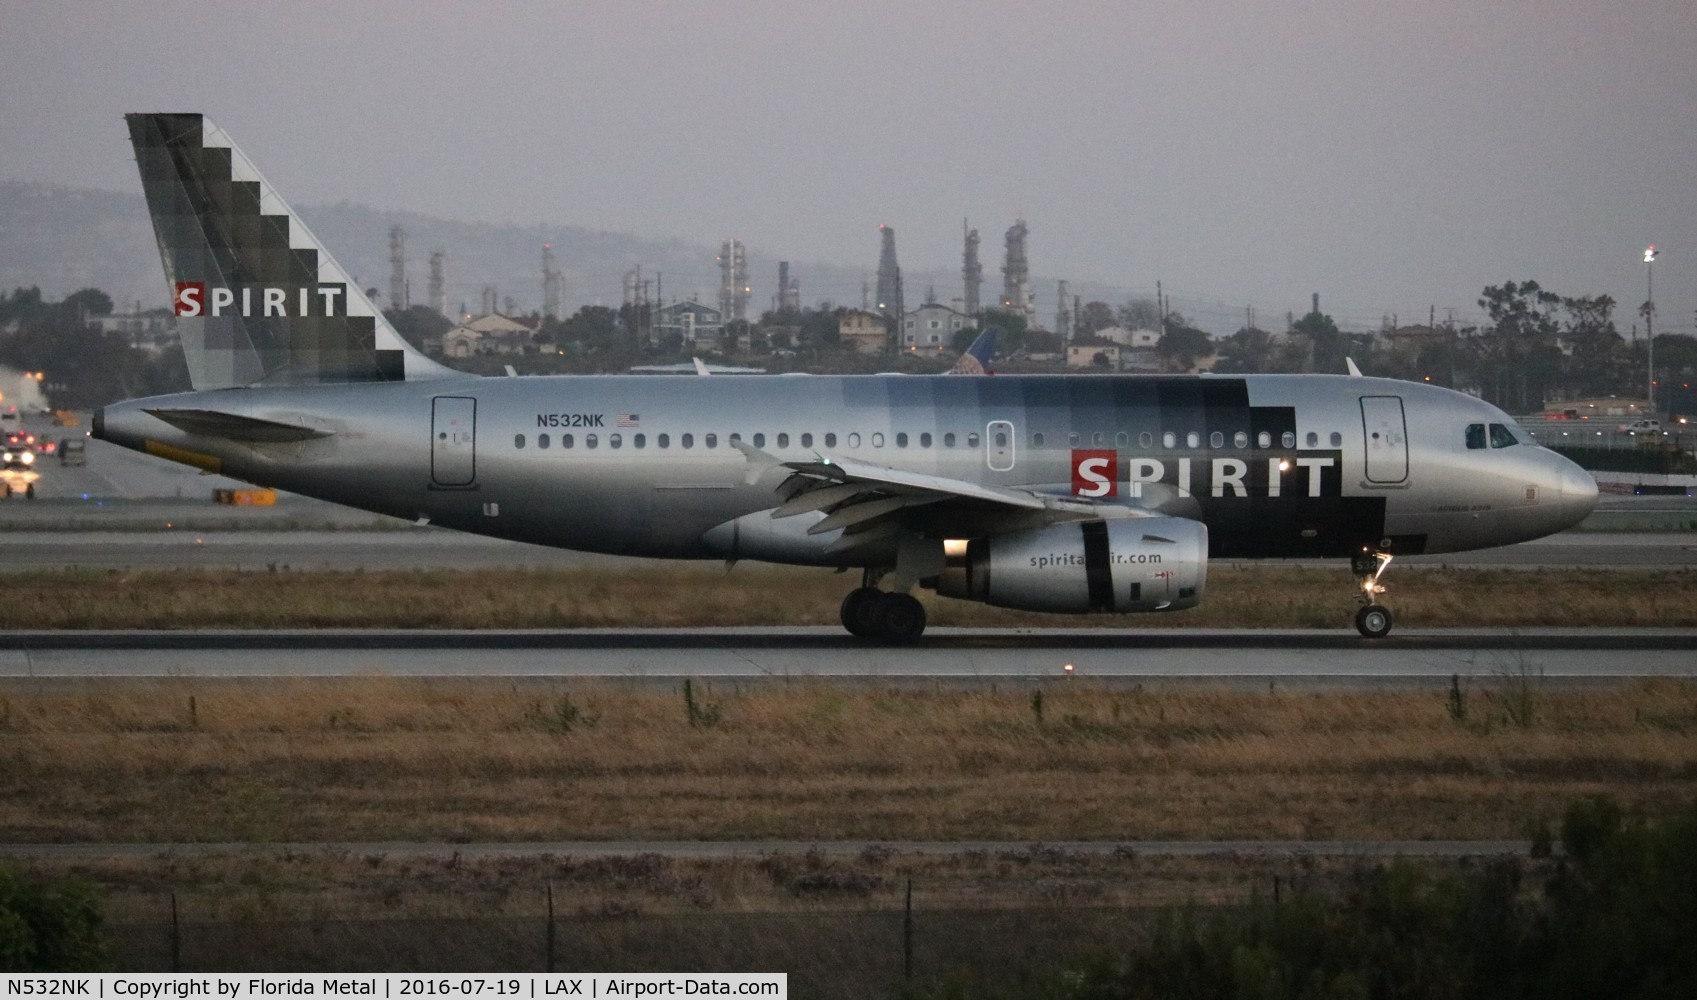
x: 1135, y: 564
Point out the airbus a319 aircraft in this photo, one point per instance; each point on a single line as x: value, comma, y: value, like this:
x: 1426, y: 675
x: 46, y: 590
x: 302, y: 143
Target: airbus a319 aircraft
x: 1062, y: 493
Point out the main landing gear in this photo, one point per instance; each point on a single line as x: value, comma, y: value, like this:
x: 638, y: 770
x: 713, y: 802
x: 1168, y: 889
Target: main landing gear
x: 883, y: 616
x: 1372, y: 620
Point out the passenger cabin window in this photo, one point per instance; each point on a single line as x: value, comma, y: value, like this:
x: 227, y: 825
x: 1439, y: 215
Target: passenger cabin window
x: 1169, y: 439
x: 565, y: 440
x: 901, y: 440
x: 1146, y: 440
x: 1264, y: 440
x: 1122, y: 439
x: 878, y: 440
x: 687, y: 440
x: 710, y: 440
x: 542, y: 440
x: 1475, y: 436
x: 1037, y: 440
x: 518, y: 440
x: 949, y: 439
x: 1217, y: 439
x: 614, y: 440
x: 807, y: 440
x: 1193, y: 439
x: 831, y: 440
x: 1288, y: 439
x: 760, y: 440
x: 1001, y: 439
x: 783, y: 440
x: 663, y: 440
x: 1337, y: 440
x: 1313, y: 440
x: 972, y: 440
x: 589, y: 441
x: 854, y: 440
x: 1502, y: 437
x: 1072, y: 439
x: 639, y: 440
x: 925, y: 439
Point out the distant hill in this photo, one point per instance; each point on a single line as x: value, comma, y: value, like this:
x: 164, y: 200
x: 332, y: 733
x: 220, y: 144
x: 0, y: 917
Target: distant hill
x: 63, y: 239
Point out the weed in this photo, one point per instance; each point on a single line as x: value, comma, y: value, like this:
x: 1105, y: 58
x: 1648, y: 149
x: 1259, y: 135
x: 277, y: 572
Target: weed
x: 700, y: 716
x: 1458, y: 700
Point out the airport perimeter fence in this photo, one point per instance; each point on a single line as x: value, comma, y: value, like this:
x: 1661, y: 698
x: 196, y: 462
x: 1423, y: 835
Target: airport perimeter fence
x: 837, y: 950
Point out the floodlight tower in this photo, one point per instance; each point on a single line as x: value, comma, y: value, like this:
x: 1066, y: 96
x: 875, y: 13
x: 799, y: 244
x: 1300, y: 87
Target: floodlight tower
x: 1650, y: 255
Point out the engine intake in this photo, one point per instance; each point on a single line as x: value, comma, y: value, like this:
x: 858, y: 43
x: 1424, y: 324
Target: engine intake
x: 1135, y: 564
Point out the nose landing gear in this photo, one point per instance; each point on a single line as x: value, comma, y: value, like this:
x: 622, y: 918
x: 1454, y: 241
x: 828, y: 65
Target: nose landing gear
x: 1372, y: 620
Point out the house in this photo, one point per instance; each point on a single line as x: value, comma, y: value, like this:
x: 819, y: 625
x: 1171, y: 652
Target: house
x: 1139, y: 349
x: 1081, y: 355
x: 932, y: 327
x: 693, y: 322
x: 489, y: 334
x: 864, y: 332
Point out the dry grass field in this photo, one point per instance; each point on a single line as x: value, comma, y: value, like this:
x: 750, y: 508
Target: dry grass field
x: 1256, y: 596
x: 288, y: 760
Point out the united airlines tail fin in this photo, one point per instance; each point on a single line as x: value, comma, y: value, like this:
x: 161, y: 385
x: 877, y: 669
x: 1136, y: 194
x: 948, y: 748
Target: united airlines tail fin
x: 976, y: 360
x: 258, y: 299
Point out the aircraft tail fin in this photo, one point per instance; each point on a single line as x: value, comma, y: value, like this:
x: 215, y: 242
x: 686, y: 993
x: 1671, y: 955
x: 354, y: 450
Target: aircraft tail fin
x: 976, y: 359
x: 258, y: 299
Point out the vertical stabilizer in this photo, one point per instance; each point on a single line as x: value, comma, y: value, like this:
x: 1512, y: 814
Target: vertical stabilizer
x: 257, y: 298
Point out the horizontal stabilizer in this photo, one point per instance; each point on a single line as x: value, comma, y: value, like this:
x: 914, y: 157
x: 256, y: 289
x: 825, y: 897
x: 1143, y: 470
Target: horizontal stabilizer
x: 212, y: 423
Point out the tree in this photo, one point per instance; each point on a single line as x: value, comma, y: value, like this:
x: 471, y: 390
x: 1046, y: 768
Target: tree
x: 1182, y: 346
x: 1010, y: 326
x: 1093, y: 318
x: 1140, y: 314
x: 416, y: 324
x: 49, y: 927
x: 1248, y: 351
x: 1327, y: 346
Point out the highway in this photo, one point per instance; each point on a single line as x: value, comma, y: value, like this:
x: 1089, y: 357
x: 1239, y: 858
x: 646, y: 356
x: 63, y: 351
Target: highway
x: 961, y: 657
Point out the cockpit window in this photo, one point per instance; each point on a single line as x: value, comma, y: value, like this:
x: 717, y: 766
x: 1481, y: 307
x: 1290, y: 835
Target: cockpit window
x: 1502, y: 437
x: 1475, y: 436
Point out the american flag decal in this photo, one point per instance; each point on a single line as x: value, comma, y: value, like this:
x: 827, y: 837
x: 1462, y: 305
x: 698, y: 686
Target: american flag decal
x: 627, y: 420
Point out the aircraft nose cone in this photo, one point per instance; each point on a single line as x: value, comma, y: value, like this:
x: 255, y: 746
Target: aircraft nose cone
x: 1577, y: 484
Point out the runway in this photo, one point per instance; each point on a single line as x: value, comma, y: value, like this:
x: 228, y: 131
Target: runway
x: 961, y: 657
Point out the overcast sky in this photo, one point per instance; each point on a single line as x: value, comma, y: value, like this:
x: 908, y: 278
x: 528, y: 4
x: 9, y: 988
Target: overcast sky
x: 1390, y: 156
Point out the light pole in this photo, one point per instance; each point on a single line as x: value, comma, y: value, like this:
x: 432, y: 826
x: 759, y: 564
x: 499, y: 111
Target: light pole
x: 1650, y: 255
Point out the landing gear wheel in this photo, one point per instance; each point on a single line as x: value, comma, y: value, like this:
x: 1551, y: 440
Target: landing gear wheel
x: 856, y: 611
x: 1373, y: 621
x: 29, y: 492
x: 900, y: 618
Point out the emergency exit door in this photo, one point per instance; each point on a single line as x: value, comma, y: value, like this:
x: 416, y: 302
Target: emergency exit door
x: 453, y: 440
x: 1386, y: 436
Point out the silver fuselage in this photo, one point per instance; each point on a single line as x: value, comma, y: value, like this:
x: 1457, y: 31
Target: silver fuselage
x: 1275, y: 465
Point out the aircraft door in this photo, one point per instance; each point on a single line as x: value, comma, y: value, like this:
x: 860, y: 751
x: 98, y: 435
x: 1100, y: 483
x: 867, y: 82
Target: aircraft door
x: 999, y: 445
x: 453, y: 440
x: 1386, y: 437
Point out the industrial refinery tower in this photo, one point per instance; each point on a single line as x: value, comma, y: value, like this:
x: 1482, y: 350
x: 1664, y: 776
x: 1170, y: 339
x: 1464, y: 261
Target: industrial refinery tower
x: 553, y: 283
x: 971, y: 271
x: 439, y: 281
x: 1016, y: 275
x: 889, y: 279
x: 733, y: 281
x: 398, y: 268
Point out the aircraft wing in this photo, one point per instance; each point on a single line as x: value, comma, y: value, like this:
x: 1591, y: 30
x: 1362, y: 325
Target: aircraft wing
x: 857, y: 497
